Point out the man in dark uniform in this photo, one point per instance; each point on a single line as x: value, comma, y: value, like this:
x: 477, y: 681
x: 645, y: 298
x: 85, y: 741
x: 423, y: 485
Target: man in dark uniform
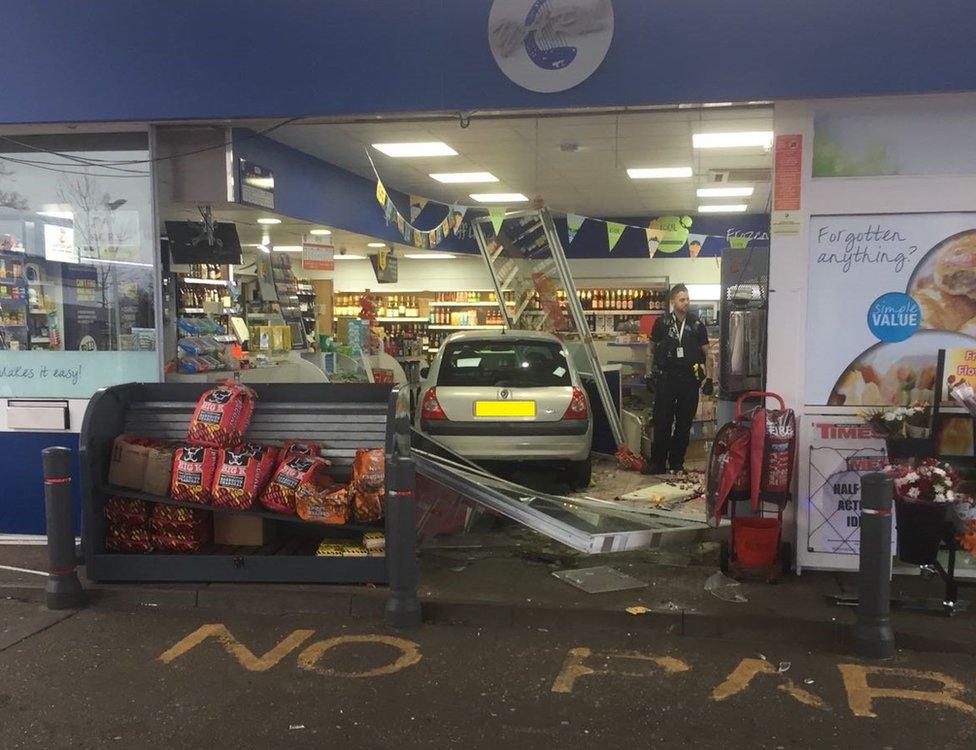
x: 680, y: 343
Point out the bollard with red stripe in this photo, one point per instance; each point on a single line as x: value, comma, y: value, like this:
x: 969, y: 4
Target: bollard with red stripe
x: 403, y: 606
x: 63, y: 587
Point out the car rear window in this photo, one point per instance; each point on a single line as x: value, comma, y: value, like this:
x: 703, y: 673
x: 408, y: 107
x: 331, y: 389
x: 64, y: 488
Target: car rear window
x: 507, y: 363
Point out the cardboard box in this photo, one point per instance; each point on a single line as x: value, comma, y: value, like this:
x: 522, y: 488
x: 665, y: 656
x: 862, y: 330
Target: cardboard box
x: 159, y: 466
x: 127, y: 466
x: 240, y: 531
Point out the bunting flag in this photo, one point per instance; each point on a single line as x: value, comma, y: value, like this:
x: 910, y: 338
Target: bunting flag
x: 416, y: 206
x: 380, y: 193
x: 497, y: 214
x: 735, y: 241
x: 573, y: 224
x: 653, y: 241
x: 614, y: 230
x: 695, y: 244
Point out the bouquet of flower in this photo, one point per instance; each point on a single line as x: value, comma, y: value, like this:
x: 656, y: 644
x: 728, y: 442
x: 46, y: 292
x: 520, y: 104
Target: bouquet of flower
x: 930, y: 483
x: 967, y: 539
x: 900, y: 422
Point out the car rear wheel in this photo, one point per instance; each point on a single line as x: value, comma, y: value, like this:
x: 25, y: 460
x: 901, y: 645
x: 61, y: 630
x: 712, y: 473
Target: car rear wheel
x: 581, y: 473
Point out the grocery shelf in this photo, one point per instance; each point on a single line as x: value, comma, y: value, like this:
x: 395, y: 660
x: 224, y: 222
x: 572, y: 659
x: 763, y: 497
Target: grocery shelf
x: 205, y: 282
x: 469, y: 304
x: 404, y: 319
x: 633, y: 344
x: 466, y: 328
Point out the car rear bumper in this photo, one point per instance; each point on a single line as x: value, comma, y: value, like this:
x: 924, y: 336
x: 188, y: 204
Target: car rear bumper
x: 440, y: 428
x: 513, y: 444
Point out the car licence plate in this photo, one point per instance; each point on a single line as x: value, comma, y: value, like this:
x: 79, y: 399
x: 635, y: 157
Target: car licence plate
x: 504, y: 408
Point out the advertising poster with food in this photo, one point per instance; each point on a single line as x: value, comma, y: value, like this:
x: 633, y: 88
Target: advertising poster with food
x: 886, y: 293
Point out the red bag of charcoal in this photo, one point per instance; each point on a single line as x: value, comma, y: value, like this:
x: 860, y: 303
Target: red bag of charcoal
x: 282, y: 492
x: 187, y: 539
x: 122, y: 537
x: 193, y: 471
x: 294, y: 448
x: 242, y: 475
x: 174, y: 519
x: 222, y: 415
x: 126, y: 511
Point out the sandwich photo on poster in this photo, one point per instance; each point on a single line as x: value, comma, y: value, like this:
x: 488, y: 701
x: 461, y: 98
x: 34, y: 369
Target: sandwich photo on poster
x: 886, y: 293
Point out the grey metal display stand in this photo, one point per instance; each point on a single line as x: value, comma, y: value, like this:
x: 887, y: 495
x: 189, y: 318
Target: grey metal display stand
x: 340, y: 417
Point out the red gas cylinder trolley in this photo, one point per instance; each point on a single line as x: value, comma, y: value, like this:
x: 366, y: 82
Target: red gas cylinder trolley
x: 752, y: 460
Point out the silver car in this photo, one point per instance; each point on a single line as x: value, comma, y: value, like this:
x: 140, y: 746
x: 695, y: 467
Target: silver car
x: 508, y: 396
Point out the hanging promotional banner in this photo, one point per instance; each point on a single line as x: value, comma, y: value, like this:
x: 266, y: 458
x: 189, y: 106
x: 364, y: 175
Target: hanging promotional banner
x: 886, y: 293
x: 573, y: 223
x: 318, y: 256
x: 841, y: 451
x: 456, y: 218
x: 696, y: 241
x: 614, y: 230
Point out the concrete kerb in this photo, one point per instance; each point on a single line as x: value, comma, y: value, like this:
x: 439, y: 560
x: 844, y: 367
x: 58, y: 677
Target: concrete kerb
x: 368, y: 604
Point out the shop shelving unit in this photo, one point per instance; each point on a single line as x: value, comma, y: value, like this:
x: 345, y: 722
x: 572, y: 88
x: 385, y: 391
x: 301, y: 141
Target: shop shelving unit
x: 341, y: 417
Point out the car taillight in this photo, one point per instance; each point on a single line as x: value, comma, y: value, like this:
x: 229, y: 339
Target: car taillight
x: 578, y: 407
x: 430, y: 407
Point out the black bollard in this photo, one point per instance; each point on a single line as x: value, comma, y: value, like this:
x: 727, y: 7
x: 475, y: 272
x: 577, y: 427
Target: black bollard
x: 873, y: 636
x: 63, y: 587
x: 403, y: 607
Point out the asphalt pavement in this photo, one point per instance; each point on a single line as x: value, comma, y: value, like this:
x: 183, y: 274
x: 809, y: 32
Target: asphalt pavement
x: 156, y: 677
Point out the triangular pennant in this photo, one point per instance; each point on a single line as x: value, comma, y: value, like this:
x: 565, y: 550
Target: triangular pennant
x: 653, y: 240
x: 614, y: 230
x: 735, y: 241
x: 380, y: 193
x: 573, y: 224
x: 695, y: 244
x: 416, y: 206
x: 497, y: 214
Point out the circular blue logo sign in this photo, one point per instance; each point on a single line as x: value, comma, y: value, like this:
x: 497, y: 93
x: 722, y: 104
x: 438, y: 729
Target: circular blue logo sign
x: 894, y: 317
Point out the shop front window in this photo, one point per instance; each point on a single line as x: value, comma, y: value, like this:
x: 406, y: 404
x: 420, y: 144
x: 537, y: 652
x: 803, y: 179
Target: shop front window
x: 77, y: 264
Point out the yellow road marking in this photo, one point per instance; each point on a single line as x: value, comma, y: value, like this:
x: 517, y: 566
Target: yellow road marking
x: 409, y: 655
x: 861, y: 695
x: 235, y: 648
x: 743, y: 674
x: 574, y: 667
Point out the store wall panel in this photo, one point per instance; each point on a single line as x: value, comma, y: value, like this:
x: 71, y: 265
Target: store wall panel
x: 22, y: 496
x: 157, y: 59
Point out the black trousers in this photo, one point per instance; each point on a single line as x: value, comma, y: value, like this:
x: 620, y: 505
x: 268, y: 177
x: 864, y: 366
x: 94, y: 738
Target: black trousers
x: 675, y: 404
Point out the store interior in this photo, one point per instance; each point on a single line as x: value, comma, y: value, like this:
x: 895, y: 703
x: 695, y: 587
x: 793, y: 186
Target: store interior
x: 271, y: 318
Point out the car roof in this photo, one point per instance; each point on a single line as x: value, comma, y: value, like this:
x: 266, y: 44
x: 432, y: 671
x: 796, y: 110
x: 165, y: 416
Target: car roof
x: 501, y: 336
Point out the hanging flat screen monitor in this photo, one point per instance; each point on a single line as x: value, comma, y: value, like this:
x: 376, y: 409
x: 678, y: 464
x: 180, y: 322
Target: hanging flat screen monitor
x: 188, y: 243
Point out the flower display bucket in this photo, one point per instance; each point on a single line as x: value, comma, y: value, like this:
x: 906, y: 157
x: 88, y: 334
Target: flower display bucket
x: 756, y: 541
x: 921, y: 528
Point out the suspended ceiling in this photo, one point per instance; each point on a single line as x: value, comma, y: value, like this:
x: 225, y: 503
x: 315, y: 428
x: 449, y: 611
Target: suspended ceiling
x: 576, y: 163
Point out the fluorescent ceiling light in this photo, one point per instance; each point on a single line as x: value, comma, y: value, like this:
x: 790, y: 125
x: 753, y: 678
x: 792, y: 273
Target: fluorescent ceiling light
x: 429, y: 256
x: 725, y: 192
x: 732, y: 208
x: 320, y: 232
x: 347, y: 256
x: 287, y: 248
x: 763, y: 138
x: 57, y: 214
x: 375, y: 244
x: 464, y: 177
x: 426, y: 148
x: 499, y: 197
x: 268, y: 220
x: 265, y: 249
x: 658, y: 173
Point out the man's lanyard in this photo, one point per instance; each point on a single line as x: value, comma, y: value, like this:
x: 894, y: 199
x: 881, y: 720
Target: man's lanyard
x: 674, y: 327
